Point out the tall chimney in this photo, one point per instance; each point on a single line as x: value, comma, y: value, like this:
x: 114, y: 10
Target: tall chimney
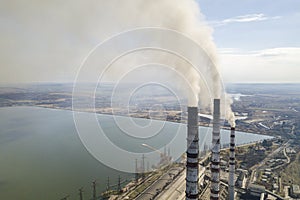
x: 215, y: 153
x: 231, y: 164
x: 192, y: 168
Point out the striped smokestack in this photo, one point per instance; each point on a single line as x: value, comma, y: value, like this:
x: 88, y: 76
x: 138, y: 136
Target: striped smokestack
x: 215, y: 153
x: 192, y: 168
x: 231, y: 164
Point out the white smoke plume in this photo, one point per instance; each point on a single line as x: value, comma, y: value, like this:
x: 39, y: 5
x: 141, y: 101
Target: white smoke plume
x: 75, y: 27
x: 229, y: 115
x: 184, y: 17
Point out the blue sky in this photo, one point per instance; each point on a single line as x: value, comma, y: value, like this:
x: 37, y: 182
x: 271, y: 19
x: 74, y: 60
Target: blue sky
x: 277, y: 27
x: 248, y: 30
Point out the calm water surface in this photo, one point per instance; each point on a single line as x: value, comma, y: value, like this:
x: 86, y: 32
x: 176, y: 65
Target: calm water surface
x: 42, y: 157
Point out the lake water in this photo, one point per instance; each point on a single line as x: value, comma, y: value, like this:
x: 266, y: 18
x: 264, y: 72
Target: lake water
x: 42, y: 157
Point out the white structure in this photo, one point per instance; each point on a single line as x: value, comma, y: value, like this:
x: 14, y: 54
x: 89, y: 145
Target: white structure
x: 231, y: 164
x: 215, y: 151
x: 192, y: 166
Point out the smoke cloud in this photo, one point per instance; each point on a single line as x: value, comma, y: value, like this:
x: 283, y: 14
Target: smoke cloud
x: 52, y: 37
x: 184, y: 17
x: 229, y: 115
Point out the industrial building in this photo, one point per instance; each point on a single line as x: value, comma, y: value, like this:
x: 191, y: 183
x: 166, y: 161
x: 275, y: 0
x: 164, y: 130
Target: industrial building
x: 295, y: 191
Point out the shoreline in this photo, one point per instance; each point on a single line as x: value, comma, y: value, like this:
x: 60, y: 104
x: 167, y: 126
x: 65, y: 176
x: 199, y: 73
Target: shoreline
x: 110, y: 114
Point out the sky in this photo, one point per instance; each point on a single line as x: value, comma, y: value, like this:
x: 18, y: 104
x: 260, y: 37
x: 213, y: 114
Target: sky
x: 46, y: 41
x: 258, y: 40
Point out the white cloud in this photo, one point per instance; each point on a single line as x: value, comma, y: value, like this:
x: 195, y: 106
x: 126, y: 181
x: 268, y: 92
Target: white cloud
x: 267, y: 65
x: 229, y: 51
x: 244, y: 18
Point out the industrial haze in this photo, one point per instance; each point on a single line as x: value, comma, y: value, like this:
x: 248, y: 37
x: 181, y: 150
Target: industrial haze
x: 272, y: 109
